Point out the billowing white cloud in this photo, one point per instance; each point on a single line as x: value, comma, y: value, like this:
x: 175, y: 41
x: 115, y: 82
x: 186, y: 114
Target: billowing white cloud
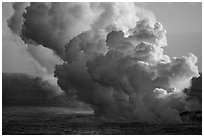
x: 113, y: 58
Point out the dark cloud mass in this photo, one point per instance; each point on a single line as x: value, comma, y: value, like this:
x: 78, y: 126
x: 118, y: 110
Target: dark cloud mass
x: 22, y: 89
x: 29, y: 90
x: 113, y: 59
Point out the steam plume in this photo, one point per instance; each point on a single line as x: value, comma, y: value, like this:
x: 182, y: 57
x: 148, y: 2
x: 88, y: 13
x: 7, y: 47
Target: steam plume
x: 44, y: 58
x: 113, y: 58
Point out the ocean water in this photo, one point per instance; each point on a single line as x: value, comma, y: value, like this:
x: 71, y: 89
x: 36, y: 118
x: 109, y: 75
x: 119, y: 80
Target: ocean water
x: 66, y: 121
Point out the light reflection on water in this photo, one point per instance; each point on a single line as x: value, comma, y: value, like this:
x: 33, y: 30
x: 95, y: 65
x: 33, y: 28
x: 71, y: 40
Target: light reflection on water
x: 57, y: 110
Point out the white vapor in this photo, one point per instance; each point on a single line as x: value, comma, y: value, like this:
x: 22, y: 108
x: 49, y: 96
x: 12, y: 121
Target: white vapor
x: 113, y: 58
x: 43, y: 60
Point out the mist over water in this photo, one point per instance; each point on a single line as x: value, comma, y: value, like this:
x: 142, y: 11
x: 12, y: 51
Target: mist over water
x: 112, y: 56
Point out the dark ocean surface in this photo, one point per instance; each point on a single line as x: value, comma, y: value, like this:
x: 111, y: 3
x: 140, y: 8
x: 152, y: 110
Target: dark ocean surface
x: 56, y: 120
